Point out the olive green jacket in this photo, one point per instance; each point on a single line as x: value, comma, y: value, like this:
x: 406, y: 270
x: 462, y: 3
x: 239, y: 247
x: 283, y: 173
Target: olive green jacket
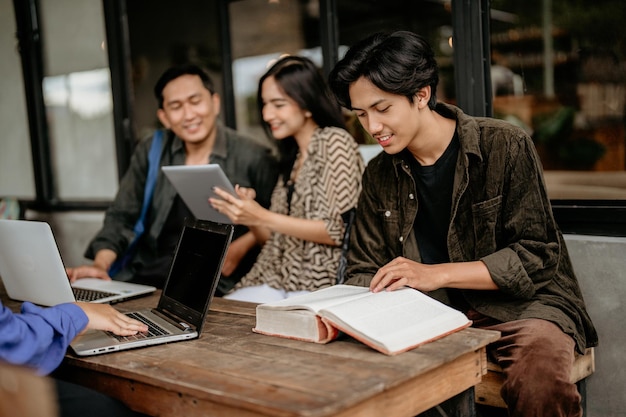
x: 501, y: 215
x: 243, y: 160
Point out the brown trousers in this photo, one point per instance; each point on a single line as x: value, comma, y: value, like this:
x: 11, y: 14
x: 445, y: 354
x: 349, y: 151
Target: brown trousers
x: 536, y: 358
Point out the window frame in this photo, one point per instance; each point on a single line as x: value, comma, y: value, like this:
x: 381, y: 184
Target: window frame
x: 470, y: 21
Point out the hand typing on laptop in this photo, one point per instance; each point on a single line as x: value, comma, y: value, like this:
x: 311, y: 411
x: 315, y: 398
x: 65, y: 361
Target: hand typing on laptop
x: 99, y: 269
x: 32, y: 270
x: 86, y: 271
x: 105, y: 317
x: 38, y: 338
x: 184, y: 302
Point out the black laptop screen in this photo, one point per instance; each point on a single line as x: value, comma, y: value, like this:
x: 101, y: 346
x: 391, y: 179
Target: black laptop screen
x: 196, y: 267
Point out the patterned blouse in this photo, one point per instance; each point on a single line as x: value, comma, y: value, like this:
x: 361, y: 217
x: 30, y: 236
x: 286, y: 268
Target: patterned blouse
x: 328, y: 184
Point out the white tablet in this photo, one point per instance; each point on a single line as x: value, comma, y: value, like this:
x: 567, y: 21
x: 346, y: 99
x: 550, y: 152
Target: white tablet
x: 195, y: 183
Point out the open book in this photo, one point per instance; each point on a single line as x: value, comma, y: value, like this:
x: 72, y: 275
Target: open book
x: 390, y: 322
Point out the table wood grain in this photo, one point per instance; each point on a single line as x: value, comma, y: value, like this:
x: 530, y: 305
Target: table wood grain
x: 231, y: 371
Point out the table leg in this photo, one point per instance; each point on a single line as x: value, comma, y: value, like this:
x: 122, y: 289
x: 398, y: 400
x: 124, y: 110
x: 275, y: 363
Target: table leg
x: 461, y: 405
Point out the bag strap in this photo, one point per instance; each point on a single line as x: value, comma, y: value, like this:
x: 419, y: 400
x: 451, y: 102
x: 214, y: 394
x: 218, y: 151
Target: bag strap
x: 154, y: 155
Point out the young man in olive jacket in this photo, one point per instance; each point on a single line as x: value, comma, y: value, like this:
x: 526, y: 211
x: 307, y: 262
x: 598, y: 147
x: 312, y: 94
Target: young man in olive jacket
x: 189, y: 108
x: 456, y: 206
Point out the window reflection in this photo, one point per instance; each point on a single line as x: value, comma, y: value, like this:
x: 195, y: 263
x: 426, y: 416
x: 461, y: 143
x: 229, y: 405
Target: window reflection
x: 246, y: 74
x: 77, y: 96
x: 429, y: 18
x: 262, y: 31
x: 16, y: 167
x: 559, y: 70
x: 79, y: 107
x: 87, y: 93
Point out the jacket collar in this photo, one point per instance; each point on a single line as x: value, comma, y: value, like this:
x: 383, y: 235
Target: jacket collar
x: 466, y: 127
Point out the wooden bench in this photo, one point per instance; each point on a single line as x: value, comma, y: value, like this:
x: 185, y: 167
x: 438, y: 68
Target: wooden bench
x: 488, y: 391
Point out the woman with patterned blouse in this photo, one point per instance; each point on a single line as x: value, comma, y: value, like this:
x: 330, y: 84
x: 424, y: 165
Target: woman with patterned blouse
x: 320, y: 178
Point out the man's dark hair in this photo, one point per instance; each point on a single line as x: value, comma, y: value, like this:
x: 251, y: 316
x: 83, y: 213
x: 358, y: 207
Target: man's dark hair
x: 174, y: 72
x: 399, y: 63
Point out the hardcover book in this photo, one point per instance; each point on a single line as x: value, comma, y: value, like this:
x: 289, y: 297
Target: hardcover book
x: 388, y: 321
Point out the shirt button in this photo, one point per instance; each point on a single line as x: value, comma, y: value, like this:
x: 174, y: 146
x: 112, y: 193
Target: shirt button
x: 411, y: 196
x: 401, y: 239
x: 387, y: 213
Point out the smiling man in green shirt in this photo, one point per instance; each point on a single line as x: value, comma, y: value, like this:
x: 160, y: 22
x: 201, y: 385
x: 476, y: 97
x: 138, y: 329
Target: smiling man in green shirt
x: 188, y: 109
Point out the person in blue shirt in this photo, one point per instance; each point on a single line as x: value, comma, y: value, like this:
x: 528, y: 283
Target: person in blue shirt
x: 39, y: 337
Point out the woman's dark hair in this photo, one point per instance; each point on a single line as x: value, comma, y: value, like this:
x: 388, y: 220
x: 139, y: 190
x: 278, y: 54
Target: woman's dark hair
x: 174, y: 72
x: 300, y: 79
x: 399, y: 63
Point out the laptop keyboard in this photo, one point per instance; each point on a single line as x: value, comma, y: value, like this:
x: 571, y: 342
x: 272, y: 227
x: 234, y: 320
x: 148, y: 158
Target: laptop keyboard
x: 90, y: 295
x: 153, y: 329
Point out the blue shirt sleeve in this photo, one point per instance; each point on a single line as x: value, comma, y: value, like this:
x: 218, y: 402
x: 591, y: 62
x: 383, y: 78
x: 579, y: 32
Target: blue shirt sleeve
x: 39, y: 337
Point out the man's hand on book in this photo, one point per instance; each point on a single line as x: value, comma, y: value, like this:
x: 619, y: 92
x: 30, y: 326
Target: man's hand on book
x: 403, y: 272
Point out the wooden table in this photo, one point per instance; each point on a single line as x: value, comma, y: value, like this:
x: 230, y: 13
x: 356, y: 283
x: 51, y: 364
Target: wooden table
x: 231, y: 371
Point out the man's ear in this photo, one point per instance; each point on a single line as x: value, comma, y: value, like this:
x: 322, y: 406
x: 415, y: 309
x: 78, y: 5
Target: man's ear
x: 217, y: 103
x: 163, y: 118
x: 423, y: 95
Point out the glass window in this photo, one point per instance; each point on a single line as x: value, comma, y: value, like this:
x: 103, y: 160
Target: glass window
x: 77, y: 96
x: 431, y: 19
x: 16, y: 163
x: 261, y: 31
x: 163, y: 33
x: 559, y: 70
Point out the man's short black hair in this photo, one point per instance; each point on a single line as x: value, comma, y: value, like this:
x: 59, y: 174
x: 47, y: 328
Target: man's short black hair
x: 174, y: 72
x: 399, y: 63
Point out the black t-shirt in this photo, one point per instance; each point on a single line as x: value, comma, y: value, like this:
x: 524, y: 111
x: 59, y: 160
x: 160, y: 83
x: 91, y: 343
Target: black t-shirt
x: 433, y: 186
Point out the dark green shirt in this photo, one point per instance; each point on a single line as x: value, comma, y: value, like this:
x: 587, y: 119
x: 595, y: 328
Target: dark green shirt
x: 500, y: 214
x: 243, y: 160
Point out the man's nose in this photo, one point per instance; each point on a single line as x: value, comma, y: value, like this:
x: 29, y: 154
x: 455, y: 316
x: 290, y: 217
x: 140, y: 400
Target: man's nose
x: 188, y: 111
x: 374, y: 125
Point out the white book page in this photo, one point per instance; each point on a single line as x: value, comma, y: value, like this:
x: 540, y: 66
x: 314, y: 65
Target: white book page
x: 317, y: 300
x: 396, y: 319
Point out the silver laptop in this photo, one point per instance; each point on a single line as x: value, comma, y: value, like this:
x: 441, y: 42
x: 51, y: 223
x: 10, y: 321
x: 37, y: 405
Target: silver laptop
x: 32, y: 270
x: 185, y: 299
x: 194, y: 184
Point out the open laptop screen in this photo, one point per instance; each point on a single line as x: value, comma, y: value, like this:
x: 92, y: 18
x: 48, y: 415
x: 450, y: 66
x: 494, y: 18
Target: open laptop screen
x: 196, y: 269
